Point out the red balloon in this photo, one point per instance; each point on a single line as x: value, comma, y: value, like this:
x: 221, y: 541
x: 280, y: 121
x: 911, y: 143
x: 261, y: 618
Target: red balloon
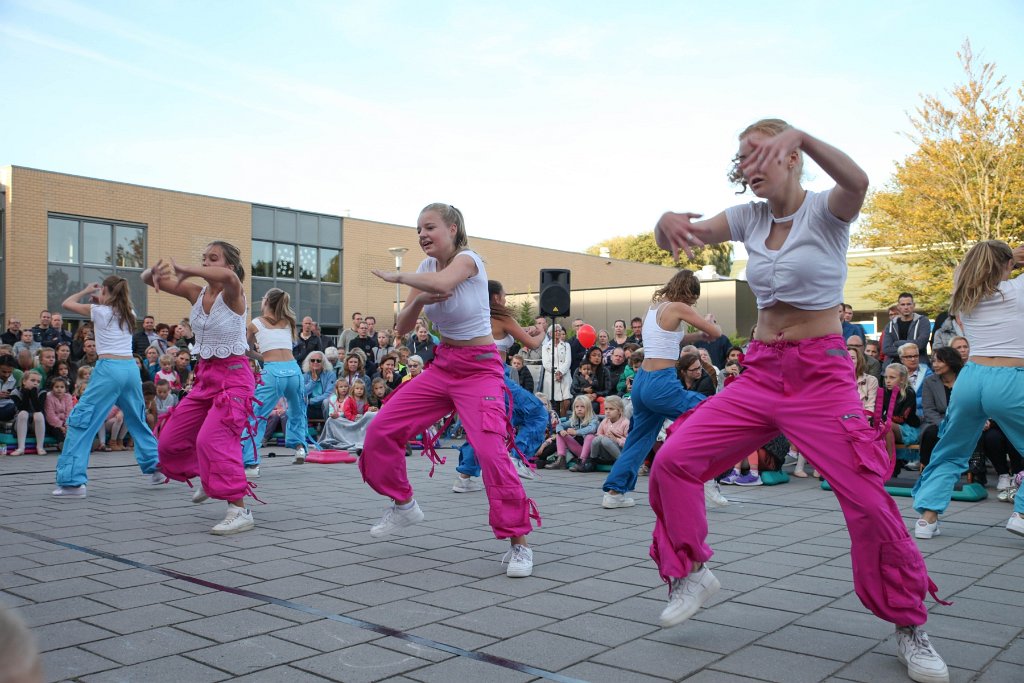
x: 587, y: 336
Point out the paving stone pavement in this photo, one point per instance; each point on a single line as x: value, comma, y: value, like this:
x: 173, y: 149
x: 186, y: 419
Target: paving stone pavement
x: 128, y: 585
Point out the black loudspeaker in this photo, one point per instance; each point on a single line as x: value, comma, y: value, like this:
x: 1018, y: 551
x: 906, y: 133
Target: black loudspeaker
x: 554, y: 292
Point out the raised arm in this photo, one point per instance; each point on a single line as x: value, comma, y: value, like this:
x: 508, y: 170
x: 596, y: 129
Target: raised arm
x: 851, y: 181
x: 225, y: 278
x: 530, y: 338
x: 676, y: 231
x: 72, y: 304
x: 160, y: 276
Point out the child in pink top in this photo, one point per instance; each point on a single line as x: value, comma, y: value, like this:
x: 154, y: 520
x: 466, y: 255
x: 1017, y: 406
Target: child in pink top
x: 605, y: 445
x: 168, y: 373
x: 57, y: 407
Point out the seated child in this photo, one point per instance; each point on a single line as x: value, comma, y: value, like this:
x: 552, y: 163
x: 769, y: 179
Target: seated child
x: 30, y: 408
x: 58, y: 406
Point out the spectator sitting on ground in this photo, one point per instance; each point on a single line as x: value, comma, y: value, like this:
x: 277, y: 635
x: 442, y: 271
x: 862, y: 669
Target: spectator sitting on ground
x: 26, y: 361
x: 151, y: 361
x: 731, y: 371
x: 961, y: 346
x: 628, y: 348
x: 572, y: 431
x: 165, y: 400
x: 379, y: 391
x: 149, y: 401
x: 867, y: 383
x: 916, y: 369
x: 520, y: 374
x: 30, y: 406
x: 163, y: 337
x: 62, y: 370
x: 908, y: 326
x: 388, y: 372
x: 306, y: 341
x: 318, y: 383
x: 583, y: 381
x: 717, y: 349
x: 277, y: 420
x: 357, y: 402
x: 89, y: 357
x: 167, y: 372
x: 8, y: 383
x: 693, y: 375
x: 602, y: 377
x: 709, y: 367
x: 333, y: 408
x: 83, y: 332
x: 27, y: 343
x: 183, y: 366
x: 333, y: 355
x: 604, y: 446
x: 57, y: 406
x: 625, y: 386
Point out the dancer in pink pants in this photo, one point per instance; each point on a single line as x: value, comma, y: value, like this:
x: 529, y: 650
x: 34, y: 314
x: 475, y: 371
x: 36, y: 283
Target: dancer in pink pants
x: 797, y: 373
x: 203, y: 436
x: 467, y: 375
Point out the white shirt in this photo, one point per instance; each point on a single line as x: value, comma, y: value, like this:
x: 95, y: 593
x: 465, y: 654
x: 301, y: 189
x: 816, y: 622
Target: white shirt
x: 111, y: 337
x: 996, y: 325
x: 467, y: 314
x: 809, y: 271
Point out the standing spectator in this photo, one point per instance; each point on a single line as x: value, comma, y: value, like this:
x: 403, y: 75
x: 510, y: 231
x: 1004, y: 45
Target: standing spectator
x: 907, y: 326
x: 637, y: 325
x: 371, y: 327
x: 718, y: 349
x: 13, y: 333
x: 577, y: 350
x: 84, y: 331
x: 365, y: 343
x: 383, y: 348
x: 556, y: 366
x: 163, y: 337
x: 616, y: 366
x: 618, y: 334
x: 43, y: 326
x: 946, y: 328
x: 144, y: 337
x: 850, y: 328
x: 350, y: 333
x: 306, y: 342
x: 56, y: 334
x: 27, y: 343
x: 422, y: 344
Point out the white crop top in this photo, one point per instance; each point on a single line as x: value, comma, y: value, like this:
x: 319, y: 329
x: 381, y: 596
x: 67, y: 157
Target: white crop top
x: 467, y: 314
x: 271, y: 338
x: 809, y: 271
x: 111, y: 338
x: 505, y: 343
x: 658, y: 342
x: 996, y: 325
x: 219, y: 333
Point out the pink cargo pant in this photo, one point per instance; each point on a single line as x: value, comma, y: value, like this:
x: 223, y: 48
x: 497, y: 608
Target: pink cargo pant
x: 806, y: 390
x: 469, y: 380
x: 203, y: 435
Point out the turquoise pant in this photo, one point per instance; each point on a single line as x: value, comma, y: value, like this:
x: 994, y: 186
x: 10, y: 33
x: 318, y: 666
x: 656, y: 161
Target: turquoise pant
x: 112, y: 381
x: 981, y: 392
x: 280, y: 378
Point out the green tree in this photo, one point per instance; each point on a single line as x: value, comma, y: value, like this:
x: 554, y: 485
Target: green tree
x: 964, y: 183
x: 524, y: 310
x: 642, y: 248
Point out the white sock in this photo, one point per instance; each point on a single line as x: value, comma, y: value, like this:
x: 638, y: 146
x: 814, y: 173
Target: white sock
x: 407, y: 506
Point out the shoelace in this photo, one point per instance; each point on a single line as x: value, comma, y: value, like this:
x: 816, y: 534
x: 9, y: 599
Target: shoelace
x: 514, y: 553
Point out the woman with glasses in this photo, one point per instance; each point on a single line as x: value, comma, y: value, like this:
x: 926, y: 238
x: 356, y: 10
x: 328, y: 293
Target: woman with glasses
x: 317, y: 383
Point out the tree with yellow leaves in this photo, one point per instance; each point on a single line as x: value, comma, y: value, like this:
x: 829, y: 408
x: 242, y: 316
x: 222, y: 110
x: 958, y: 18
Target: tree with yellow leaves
x: 642, y: 248
x: 964, y: 183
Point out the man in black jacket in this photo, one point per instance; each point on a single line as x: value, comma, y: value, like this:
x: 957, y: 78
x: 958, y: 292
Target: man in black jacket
x: 56, y: 335
x: 144, y: 337
x: 907, y: 326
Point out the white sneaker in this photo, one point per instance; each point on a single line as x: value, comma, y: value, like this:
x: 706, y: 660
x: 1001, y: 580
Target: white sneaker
x: 236, y: 521
x: 1014, y: 526
x: 520, y: 561
x: 70, y: 491
x: 713, y: 497
x: 688, y: 595
x: 199, y: 495
x: 252, y: 472
x: 522, y: 469
x: 396, y: 518
x: 925, y: 530
x: 300, y: 455
x: 1004, y: 482
x: 466, y: 485
x: 157, y: 478
x: 915, y: 650
x: 616, y: 500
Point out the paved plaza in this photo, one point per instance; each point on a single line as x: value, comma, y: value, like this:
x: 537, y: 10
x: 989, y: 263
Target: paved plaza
x: 128, y: 585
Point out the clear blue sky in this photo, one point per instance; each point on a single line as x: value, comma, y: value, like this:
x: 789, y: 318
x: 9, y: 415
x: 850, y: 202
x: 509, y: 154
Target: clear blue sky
x: 551, y: 123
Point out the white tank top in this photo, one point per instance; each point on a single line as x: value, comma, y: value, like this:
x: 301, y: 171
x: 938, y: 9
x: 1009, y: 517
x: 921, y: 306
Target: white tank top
x: 659, y: 343
x: 505, y: 343
x: 996, y: 325
x: 111, y: 338
x: 467, y: 314
x: 219, y: 333
x: 272, y: 339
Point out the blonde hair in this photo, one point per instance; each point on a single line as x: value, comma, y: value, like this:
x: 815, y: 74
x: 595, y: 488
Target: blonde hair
x: 279, y: 303
x: 166, y: 358
x: 615, y: 402
x: 352, y: 388
x: 978, y: 275
x: 771, y: 128
x: 31, y: 373
x: 904, y: 379
x: 451, y: 216
x: 588, y: 416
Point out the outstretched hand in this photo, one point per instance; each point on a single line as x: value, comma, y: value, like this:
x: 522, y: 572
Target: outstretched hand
x: 677, y: 231
x: 427, y: 298
x: 769, y: 151
x: 388, y: 276
x: 159, y: 270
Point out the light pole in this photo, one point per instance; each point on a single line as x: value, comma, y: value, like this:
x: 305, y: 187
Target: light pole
x: 398, y: 253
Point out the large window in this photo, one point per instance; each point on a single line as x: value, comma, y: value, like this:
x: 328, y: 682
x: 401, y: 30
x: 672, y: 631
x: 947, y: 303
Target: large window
x: 301, y: 254
x: 84, y: 250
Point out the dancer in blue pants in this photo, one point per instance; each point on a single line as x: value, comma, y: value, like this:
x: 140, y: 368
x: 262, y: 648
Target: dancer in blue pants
x: 272, y: 334
x: 114, y: 380
x: 990, y: 308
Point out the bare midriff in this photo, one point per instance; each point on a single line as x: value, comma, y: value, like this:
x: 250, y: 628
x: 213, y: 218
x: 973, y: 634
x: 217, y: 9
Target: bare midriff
x: 482, y: 340
x: 997, y: 361
x: 784, y: 322
x: 277, y: 356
